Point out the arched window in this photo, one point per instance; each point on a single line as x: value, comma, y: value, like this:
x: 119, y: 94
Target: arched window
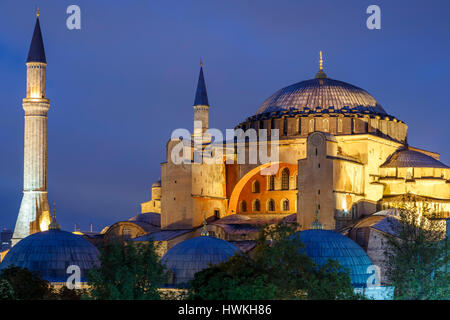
x: 285, y: 126
x: 256, y: 206
x: 311, y: 125
x: 285, y: 179
x: 255, y: 187
x: 271, y: 183
x: 326, y: 125
x: 244, y: 206
x: 271, y: 205
x: 299, y: 125
x: 340, y: 125
x: 285, y: 203
x: 126, y: 233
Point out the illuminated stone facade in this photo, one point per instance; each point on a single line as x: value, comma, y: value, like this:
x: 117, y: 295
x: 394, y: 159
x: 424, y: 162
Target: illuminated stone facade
x: 339, y: 152
x: 34, y: 213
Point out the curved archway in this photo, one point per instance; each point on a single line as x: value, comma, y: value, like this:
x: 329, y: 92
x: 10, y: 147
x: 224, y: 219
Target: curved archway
x: 233, y: 206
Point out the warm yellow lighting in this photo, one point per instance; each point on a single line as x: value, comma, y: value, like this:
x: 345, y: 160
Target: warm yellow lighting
x: 321, y: 62
x: 344, y: 204
x: 45, y: 221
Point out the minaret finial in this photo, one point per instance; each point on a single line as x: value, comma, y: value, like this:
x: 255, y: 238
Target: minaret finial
x: 204, y: 232
x: 54, y: 225
x: 37, y: 12
x: 201, y: 63
x: 316, y: 223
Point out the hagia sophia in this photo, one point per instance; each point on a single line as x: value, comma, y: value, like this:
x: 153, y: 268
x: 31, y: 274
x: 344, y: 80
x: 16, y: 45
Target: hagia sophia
x: 344, y: 166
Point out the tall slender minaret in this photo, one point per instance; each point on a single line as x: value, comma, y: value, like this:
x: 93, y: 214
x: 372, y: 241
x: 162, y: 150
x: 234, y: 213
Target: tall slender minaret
x: 34, y: 213
x: 201, y: 106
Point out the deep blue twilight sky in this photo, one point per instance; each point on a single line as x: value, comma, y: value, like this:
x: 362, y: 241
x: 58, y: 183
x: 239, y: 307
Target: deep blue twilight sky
x: 121, y: 84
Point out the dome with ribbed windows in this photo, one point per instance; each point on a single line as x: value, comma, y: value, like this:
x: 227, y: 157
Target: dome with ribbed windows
x: 322, y: 245
x: 193, y: 255
x: 51, y: 252
x: 321, y: 92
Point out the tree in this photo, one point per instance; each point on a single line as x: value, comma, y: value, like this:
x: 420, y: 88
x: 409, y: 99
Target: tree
x: 278, y: 269
x: 6, y: 291
x: 26, y: 284
x: 128, y: 272
x: 417, y: 255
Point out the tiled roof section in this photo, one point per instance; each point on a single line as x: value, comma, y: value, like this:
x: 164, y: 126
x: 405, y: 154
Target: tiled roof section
x: 253, y: 219
x: 407, y: 158
x: 51, y: 252
x: 388, y: 225
x: 163, y: 235
x: 292, y: 218
x: 321, y: 245
x: 245, y: 245
x: 37, y: 52
x: 152, y: 218
x: 239, y: 228
x: 201, y: 97
x: 323, y: 93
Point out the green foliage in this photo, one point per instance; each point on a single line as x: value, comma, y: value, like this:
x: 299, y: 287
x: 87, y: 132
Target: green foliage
x: 127, y: 272
x: 417, y: 256
x: 278, y: 269
x: 331, y: 282
x: 25, y: 284
x: 65, y: 293
x: 6, y: 291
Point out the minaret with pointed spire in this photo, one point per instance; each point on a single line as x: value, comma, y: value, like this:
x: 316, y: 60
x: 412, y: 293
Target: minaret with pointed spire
x: 34, y: 213
x: 201, y: 106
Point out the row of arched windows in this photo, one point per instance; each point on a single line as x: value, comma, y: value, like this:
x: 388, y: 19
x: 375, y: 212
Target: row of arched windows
x: 270, y: 206
x: 271, y: 182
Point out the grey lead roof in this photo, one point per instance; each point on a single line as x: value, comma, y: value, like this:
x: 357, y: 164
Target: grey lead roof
x: 322, y: 93
x: 407, y: 158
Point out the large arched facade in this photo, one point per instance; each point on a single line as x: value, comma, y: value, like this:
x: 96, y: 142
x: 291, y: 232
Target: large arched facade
x: 284, y: 183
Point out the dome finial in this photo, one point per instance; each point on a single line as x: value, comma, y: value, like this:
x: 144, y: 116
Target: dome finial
x: 204, y: 232
x: 54, y: 225
x: 321, y: 62
x: 321, y: 74
x: 316, y: 223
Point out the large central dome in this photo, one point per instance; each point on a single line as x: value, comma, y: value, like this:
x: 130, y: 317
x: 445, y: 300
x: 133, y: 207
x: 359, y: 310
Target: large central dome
x: 321, y: 92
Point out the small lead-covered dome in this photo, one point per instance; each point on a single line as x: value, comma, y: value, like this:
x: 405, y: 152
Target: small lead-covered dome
x: 51, y: 252
x: 407, y: 158
x: 321, y: 245
x: 193, y: 255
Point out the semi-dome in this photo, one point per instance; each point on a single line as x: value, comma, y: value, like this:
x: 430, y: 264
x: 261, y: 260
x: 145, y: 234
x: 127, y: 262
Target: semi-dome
x: 324, y: 93
x: 321, y: 245
x: 407, y: 158
x: 51, y: 252
x: 193, y: 255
